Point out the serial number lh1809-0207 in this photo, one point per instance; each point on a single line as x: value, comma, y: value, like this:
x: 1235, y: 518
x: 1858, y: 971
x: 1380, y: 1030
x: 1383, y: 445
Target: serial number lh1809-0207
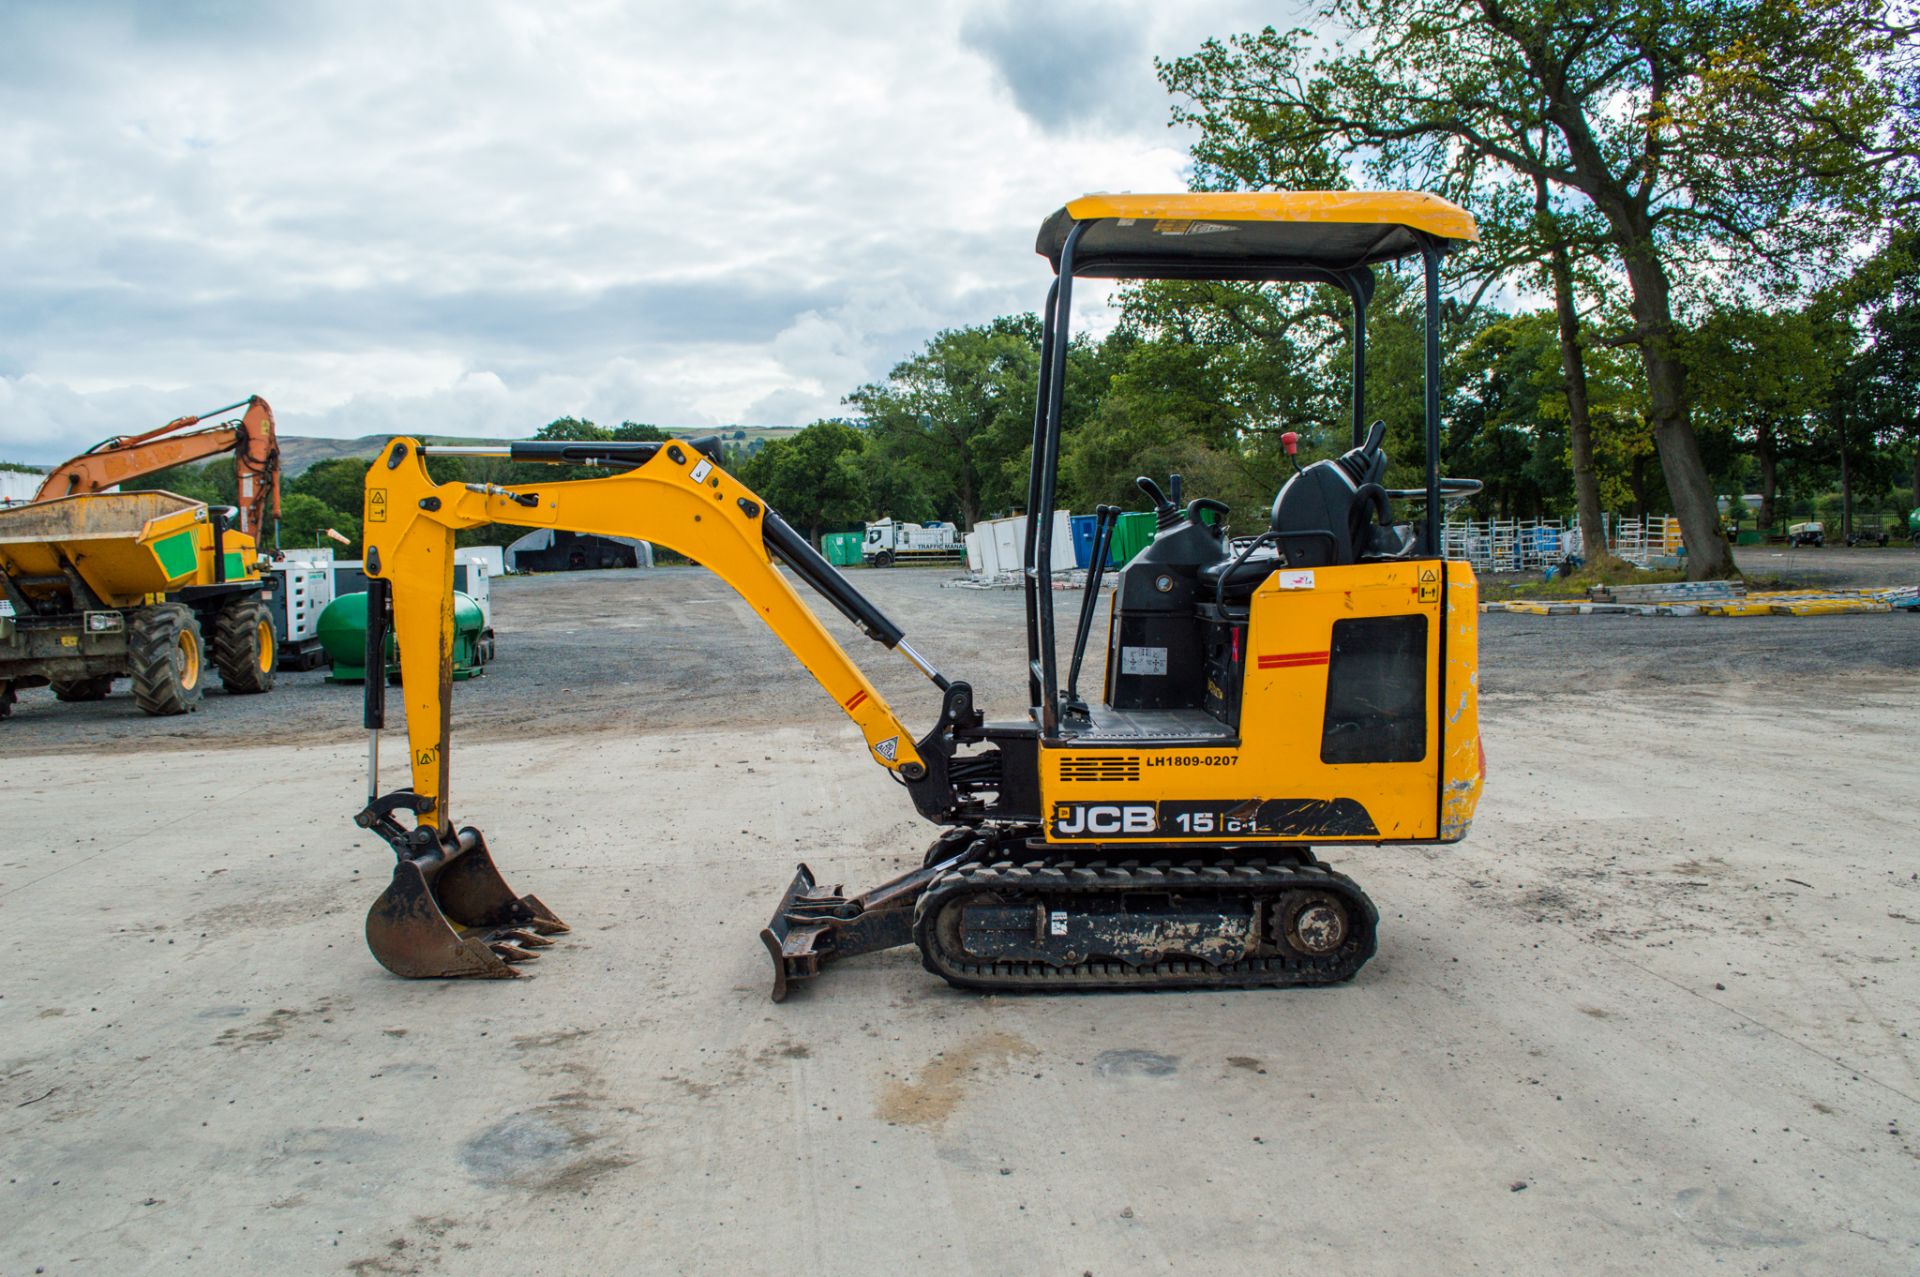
x: 1217, y: 819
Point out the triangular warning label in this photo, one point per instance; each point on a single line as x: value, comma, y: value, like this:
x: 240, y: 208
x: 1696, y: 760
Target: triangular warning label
x: 1428, y: 574
x: 888, y: 748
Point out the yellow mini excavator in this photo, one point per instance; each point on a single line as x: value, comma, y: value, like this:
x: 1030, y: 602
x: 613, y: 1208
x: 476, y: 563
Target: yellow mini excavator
x: 1310, y: 686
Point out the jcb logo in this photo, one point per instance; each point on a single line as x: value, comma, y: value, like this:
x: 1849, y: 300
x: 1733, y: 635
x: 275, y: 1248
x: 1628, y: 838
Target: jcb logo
x: 1074, y: 820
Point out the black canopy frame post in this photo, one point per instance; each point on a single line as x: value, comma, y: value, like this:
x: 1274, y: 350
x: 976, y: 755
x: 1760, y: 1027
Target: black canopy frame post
x: 1430, y: 251
x: 1359, y: 283
x: 1042, y: 486
x: 1042, y: 395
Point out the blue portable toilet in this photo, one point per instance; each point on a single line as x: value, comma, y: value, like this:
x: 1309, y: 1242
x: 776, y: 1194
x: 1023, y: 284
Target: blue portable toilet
x: 1083, y: 540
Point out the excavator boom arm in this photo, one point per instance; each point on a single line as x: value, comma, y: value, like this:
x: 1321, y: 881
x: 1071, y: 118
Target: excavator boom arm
x: 122, y: 460
x: 677, y: 498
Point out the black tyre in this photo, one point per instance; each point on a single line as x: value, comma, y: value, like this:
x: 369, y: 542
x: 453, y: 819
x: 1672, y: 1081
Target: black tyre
x: 244, y: 648
x: 884, y: 559
x: 166, y: 659
x: 84, y: 689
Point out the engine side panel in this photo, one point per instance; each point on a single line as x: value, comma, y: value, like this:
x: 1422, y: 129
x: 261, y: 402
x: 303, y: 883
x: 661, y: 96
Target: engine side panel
x: 1358, y: 722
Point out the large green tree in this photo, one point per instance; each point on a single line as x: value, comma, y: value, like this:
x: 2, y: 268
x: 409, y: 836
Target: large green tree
x: 959, y: 415
x: 1883, y: 380
x: 1765, y: 377
x: 1703, y: 133
x: 815, y: 479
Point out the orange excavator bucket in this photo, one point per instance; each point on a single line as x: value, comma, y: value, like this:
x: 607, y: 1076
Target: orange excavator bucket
x: 448, y: 912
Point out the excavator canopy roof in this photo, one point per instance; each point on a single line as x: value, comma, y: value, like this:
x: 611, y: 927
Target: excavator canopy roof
x: 1249, y: 235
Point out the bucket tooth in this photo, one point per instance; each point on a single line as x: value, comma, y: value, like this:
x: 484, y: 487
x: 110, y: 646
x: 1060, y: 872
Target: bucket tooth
x: 525, y: 939
x: 449, y: 913
x: 542, y: 921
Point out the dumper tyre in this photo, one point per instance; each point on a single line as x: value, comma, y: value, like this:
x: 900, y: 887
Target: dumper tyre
x: 166, y: 659
x: 83, y: 689
x: 244, y: 649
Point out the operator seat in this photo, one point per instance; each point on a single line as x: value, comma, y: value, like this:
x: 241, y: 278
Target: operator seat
x: 1324, y: 516
x: 1335, y: 512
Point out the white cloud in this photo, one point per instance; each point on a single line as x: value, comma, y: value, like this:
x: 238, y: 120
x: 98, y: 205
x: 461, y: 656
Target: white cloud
x: 484, y: 215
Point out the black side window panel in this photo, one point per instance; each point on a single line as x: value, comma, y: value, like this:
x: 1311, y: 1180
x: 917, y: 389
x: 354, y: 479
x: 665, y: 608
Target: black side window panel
x: 1376, y: 691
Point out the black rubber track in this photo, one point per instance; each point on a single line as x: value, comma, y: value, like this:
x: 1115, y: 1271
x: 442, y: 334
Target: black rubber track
x: 1059, y: 882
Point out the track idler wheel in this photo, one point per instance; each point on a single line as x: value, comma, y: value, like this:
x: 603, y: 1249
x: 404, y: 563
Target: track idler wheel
x: 448, y: 912
x: 1311, y: 923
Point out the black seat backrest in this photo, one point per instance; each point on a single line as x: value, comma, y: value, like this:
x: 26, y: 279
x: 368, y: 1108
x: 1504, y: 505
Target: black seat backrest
x: 1320, y: 516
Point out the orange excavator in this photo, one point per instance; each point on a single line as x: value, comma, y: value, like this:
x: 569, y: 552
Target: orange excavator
x: 124, y: 458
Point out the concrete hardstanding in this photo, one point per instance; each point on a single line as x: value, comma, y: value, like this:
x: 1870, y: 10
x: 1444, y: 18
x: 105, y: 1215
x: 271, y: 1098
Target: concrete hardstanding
x: 1656, y: 1006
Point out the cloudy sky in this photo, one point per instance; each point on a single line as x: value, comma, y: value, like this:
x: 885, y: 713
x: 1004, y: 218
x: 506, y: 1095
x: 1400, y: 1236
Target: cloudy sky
x: 473, y: 216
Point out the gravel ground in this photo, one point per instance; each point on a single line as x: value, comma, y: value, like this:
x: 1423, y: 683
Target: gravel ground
x: 673, y: 647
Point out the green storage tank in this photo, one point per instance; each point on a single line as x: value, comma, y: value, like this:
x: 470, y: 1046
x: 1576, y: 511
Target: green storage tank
x: 342, y: 630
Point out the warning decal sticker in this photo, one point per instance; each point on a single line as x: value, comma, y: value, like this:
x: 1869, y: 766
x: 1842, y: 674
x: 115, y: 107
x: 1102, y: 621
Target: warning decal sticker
x: 888, y: 748
x: 1290, y: 660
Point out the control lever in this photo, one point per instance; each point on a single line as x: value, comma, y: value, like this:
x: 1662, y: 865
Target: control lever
x: 1290, y: 440
x: 1165, y: 512
x: 1220, y: 508
x: 1104, y: 519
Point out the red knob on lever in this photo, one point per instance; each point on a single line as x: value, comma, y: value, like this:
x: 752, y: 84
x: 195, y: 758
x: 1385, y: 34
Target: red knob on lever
x: 1290, y: 440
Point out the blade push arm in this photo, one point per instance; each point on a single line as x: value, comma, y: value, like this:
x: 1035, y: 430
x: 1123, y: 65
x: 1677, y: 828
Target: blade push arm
x: 676, y: 498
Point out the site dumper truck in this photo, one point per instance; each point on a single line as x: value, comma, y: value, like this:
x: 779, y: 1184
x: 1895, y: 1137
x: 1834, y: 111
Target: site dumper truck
x: 148, y: 586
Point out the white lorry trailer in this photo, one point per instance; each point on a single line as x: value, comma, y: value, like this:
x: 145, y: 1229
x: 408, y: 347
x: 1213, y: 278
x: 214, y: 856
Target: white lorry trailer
x: 889, y: 542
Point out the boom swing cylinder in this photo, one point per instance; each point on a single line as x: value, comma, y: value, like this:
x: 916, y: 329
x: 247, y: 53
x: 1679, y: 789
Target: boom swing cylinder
x: 1308, y: 686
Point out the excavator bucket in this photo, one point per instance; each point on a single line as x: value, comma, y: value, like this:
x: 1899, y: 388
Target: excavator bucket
x: 446, y: 916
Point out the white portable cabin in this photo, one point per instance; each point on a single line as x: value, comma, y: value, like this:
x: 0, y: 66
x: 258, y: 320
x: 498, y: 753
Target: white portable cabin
x: 1003, y: 544
x: 494, y: 556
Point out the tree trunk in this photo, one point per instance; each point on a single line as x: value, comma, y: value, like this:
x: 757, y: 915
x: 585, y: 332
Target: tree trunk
x: 1846, y: 471
x: 1586, y: 479
x: 1573, y: 363
x: 1765, y: 450
x: 1708, y: 555
x: 1631, y: 228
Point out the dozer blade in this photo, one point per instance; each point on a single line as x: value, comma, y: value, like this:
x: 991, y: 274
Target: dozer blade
x: 445, y: 916
x: 814, y: 924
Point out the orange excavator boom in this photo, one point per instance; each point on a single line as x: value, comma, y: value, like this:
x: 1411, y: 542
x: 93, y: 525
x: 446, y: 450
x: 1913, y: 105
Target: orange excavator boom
x: 125, y: 458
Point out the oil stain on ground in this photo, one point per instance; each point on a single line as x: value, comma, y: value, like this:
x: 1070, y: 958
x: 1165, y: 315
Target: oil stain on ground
x: 544, y: 1152
x: 1137, y: 1063
x: 930, y: 1098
